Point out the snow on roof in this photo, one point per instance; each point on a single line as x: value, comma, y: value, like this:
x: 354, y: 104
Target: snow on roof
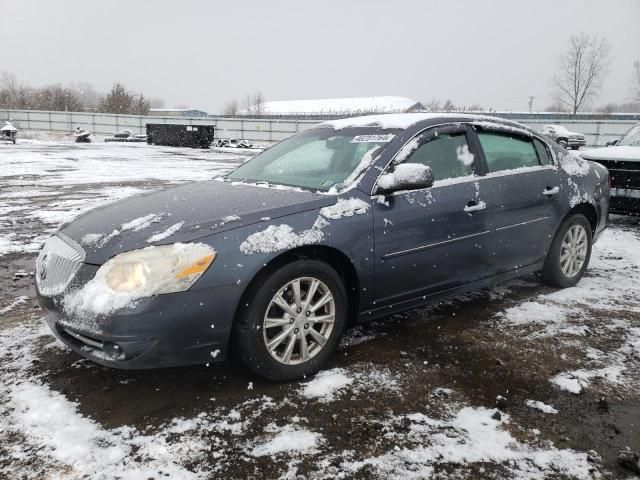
x: 405, y: 120
x: 388, y: 104
x: 8, y: 127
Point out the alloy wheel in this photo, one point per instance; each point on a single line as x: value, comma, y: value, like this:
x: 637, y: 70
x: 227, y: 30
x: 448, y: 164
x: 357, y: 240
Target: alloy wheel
x: 573, y: 251
x: 299, y: 320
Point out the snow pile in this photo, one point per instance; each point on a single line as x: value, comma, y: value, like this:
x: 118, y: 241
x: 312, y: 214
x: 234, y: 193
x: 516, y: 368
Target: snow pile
x: 345, y: 208
x: 570, y: 382
x: 328, y: 385
x: 472, y: 436
x: 325, y: 385
x: 552, y: 316
x: 543, y: 407
x: 134, y: 225
x: 405, y: 174
x: 573, y: 164
x: 275, y: 238
x: 70, y: 438
x: 289, y: 440
x: 229, y: 219
x: 464, y: 155
x: 166, y: 233
x: 18, y: 301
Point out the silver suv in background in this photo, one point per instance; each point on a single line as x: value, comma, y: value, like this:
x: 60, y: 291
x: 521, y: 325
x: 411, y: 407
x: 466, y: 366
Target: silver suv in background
x: 564, y: 137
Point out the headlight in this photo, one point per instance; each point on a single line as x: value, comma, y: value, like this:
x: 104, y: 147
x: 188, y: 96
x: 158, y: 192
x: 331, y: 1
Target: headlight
x: 156, y: 270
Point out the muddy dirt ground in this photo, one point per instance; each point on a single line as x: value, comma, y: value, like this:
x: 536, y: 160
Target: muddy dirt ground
x: 433, y: 361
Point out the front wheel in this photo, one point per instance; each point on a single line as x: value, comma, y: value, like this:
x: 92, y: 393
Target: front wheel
x: 569, y: 254
x: 563, y: 143
x: 293, y: 324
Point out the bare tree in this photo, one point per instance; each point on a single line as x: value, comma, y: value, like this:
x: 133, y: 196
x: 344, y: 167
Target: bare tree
x: 582, y: 70
x: 15, y: 94
x: 231, y: 108
x: 448, y: 106
x: 258, y: 103
x: 434, y: 105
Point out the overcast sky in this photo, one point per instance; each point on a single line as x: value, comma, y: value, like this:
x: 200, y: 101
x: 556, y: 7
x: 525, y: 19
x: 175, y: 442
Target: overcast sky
x: 203, y: 53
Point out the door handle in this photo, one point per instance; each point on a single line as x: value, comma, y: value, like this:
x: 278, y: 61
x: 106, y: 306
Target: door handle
x: 548, y: 192
x: 473, y: 206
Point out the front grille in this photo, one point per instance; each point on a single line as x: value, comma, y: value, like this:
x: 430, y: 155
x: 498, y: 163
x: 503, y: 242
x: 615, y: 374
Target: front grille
x: 623, y: 174
x: 57, y: 264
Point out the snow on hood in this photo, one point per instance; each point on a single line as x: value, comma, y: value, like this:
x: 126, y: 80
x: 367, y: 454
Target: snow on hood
x: 182, y: 214
x: 627, y: 153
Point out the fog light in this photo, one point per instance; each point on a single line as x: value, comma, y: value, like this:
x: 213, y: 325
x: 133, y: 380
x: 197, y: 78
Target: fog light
x: 113, y: 350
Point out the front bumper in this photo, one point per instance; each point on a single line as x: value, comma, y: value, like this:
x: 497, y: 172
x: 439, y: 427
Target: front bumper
x: 577, y: 142
x: 185, y: 328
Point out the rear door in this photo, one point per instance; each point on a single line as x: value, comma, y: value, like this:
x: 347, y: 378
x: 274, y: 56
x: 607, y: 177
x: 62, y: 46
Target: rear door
x: 432, y: 239
x: 522, y: 191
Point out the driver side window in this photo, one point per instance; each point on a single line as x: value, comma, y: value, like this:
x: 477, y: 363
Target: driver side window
x: 447, y: 154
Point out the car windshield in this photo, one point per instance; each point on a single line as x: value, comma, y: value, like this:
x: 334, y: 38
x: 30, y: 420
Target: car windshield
x: 317, y: 159
x: 632, y: 137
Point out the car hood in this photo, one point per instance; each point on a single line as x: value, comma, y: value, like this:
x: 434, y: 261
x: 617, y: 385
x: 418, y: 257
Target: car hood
x: 625, y: 153
x: 183, y: 214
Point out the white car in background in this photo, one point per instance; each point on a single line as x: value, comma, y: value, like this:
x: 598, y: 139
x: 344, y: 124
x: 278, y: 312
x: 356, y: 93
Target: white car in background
x: 563, y: 137
x: 623, y: 162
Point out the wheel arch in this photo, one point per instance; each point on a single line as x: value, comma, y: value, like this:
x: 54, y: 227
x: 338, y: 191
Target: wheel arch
x: 330, y: 255
x: 589, y: 211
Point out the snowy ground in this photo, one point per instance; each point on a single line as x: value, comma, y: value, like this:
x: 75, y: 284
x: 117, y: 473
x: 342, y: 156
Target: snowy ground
x: 411, y: 397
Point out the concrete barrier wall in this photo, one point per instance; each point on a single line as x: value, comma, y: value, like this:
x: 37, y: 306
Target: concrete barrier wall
x: 264, y: 130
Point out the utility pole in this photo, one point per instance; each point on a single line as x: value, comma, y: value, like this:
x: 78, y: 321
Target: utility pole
x: 531, y: 103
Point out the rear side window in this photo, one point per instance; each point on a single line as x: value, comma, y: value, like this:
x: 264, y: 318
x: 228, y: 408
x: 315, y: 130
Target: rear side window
x: 504, y: 152
x: 447, y: 154
x: 543, y: 152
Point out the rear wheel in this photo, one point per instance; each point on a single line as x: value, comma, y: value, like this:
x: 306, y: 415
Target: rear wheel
x: 569, y: 254
x: 293, y: 324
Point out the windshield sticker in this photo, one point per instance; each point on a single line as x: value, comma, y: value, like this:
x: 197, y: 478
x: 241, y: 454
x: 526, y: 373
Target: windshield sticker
x: 373, y: 138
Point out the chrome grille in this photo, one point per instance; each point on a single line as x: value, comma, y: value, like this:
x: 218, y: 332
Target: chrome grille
x: 57, y: 264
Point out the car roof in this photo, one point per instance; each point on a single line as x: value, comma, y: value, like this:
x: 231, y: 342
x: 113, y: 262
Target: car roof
x: 407, y: 120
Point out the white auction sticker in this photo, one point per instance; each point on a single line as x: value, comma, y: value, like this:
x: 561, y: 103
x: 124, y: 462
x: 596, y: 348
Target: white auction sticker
x: 373, y: 138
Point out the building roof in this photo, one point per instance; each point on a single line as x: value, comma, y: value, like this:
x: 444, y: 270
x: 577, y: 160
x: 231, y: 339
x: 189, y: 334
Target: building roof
x: 185, y: 111
x: 326, y: 106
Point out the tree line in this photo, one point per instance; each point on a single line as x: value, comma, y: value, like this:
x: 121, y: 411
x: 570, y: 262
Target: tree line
x: 80, y: 97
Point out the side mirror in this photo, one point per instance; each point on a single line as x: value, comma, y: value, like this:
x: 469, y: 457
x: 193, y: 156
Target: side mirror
x: 406, y: 176
x: 611, y: 143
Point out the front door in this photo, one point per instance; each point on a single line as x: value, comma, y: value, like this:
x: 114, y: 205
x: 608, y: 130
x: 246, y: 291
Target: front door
x: 433, y: 239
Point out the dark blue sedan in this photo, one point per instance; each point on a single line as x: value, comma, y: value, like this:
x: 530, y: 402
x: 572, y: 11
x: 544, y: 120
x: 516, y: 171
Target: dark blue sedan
x: 348, y: 221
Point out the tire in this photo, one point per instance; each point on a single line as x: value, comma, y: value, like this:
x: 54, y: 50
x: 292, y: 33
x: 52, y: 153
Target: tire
x: 558, y: 270
x: 563, y: 143
x: 284, y: 362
